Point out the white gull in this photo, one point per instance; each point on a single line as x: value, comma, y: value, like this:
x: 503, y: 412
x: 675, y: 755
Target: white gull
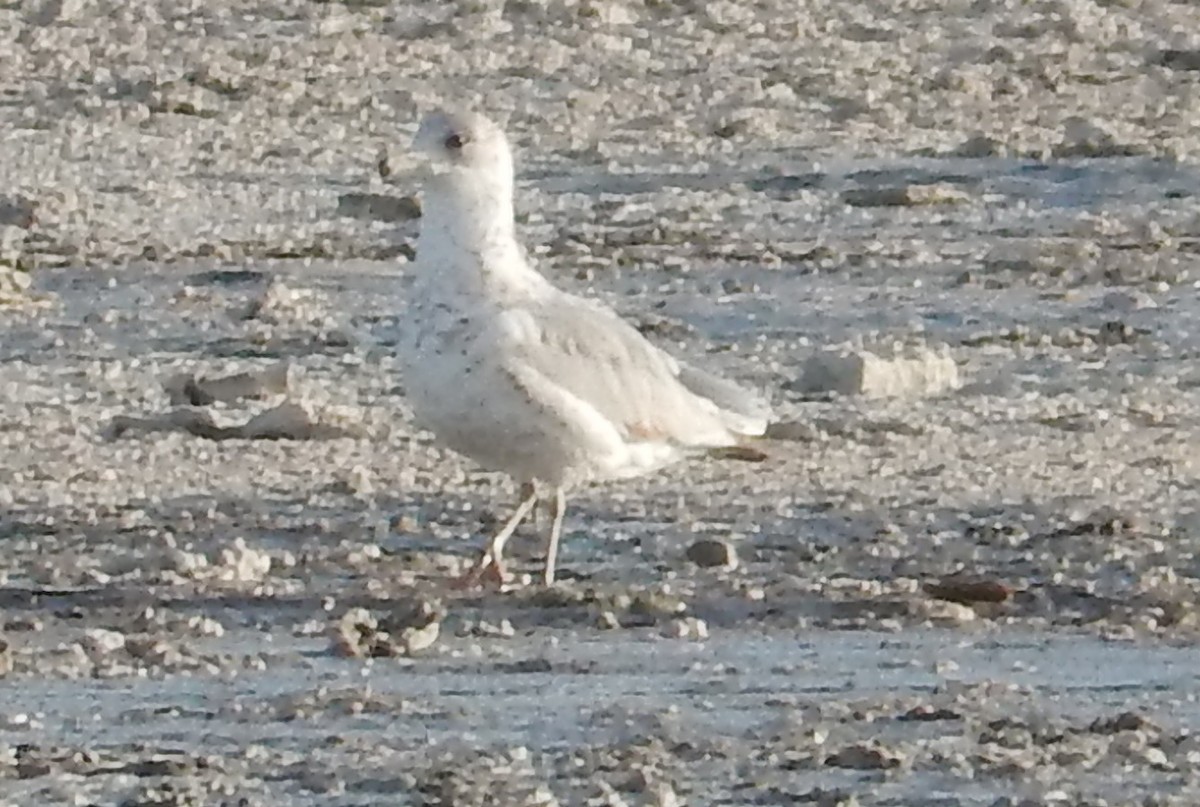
x: 553, y: 389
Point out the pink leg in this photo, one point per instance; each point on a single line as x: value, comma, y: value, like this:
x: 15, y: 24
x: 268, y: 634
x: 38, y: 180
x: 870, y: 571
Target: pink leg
x: 491, y: 564
x: 560, y: 509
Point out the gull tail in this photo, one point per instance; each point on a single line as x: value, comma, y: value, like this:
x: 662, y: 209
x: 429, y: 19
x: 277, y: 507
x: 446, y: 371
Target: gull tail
x: 744, y: 413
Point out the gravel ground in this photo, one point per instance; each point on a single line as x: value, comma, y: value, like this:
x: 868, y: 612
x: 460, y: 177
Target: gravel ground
x: 955, y: 242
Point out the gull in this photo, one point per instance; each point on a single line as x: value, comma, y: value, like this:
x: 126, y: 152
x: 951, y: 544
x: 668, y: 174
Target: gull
x: 553, y: 389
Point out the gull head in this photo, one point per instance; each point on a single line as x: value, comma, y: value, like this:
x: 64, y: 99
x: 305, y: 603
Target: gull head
x: 467, y: 203
x: 460, y: 145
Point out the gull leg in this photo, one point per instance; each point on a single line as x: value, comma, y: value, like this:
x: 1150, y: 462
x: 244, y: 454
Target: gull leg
x: 527, y: 490
x: 491, y: 564
x: 560, y: 508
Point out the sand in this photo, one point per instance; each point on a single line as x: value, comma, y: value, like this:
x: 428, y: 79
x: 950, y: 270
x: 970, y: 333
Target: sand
x: 955, y: 243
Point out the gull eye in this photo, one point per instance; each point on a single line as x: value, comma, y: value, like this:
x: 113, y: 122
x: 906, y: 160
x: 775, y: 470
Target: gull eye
x: 455, y: 142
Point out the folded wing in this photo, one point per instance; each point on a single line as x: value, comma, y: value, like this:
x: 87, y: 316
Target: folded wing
x: 594, y: 357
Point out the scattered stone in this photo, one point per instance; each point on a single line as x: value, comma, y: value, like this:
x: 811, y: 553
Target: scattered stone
x: 686, y: 628
x: 355, y: 634
x: 904, y: 196
x: 656, y: 603
x: 356, y: 481
x: 1125, y: 301
x: 1085, y: 138
x: 486, y: 629
x: 663, y: 327
x: 160, y: 766
x: 49, y: 12
x: 383, y: 164
x: 786, y: 185
x: 177, y: 792
x: 711, y: 553
x: 642, y: 609
x: 287, y: 421
x: 944, y: 612
x: 820, y: 797
x: 416, y: 627
x: 661, y: 794
x: 968, y: 590
x: 794, y: 430
x: 859, y: 372
x: 33, y: 769
x: 153, y: 650
x: 230, y: 277
x: 739, y: 453
x: 379, y: 207
x: 99, y: 642
x: 14, y: 285
x: 865, y: 756
x: 928, y: 714
x: 981, y: 147
x: 731, y: 127
x: 279, y: 303
x: 241, y: 563
x: 1178, y: 59
x: 1116, y: 332
x: 18, y: 211
x: 1042, y: 260
x: 254, y: 385
x: 1125, y: 721
x: 607, y: 620
x: 184, y: 98
x: 607, y: 796
x: 290, y: 421
x: 407, y: 630
x: 526, y: 666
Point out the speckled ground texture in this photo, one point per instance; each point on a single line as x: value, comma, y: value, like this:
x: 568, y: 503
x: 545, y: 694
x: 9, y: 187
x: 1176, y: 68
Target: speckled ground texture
x: 967, y: 579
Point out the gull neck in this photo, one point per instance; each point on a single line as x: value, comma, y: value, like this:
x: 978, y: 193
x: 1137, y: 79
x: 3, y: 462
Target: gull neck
x: 471, y: 211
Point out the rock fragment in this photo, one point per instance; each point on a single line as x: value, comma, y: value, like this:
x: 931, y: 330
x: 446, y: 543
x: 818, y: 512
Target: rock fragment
x: 865, y: 756
x: 288, y: 421
x: 1125, y: 721
x: 18, y: 211
x: 904, y: 196
x: 861, y: 372
x: 1178, y: 58
x: 409, y: 629
x: 688, y: 627
x: 101, y: 642
x: 739, y: 453
x: 379, y: 207
x: 1086, y: 138
x: 14, y: 285
x: 968, y: 590
x: 980, y: 147
x: 195, y: 390
x: 184, y: 98
x: 944, y: 612
x: 242, y: 563
x: 1123, y: 301
x: 711, y: 553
